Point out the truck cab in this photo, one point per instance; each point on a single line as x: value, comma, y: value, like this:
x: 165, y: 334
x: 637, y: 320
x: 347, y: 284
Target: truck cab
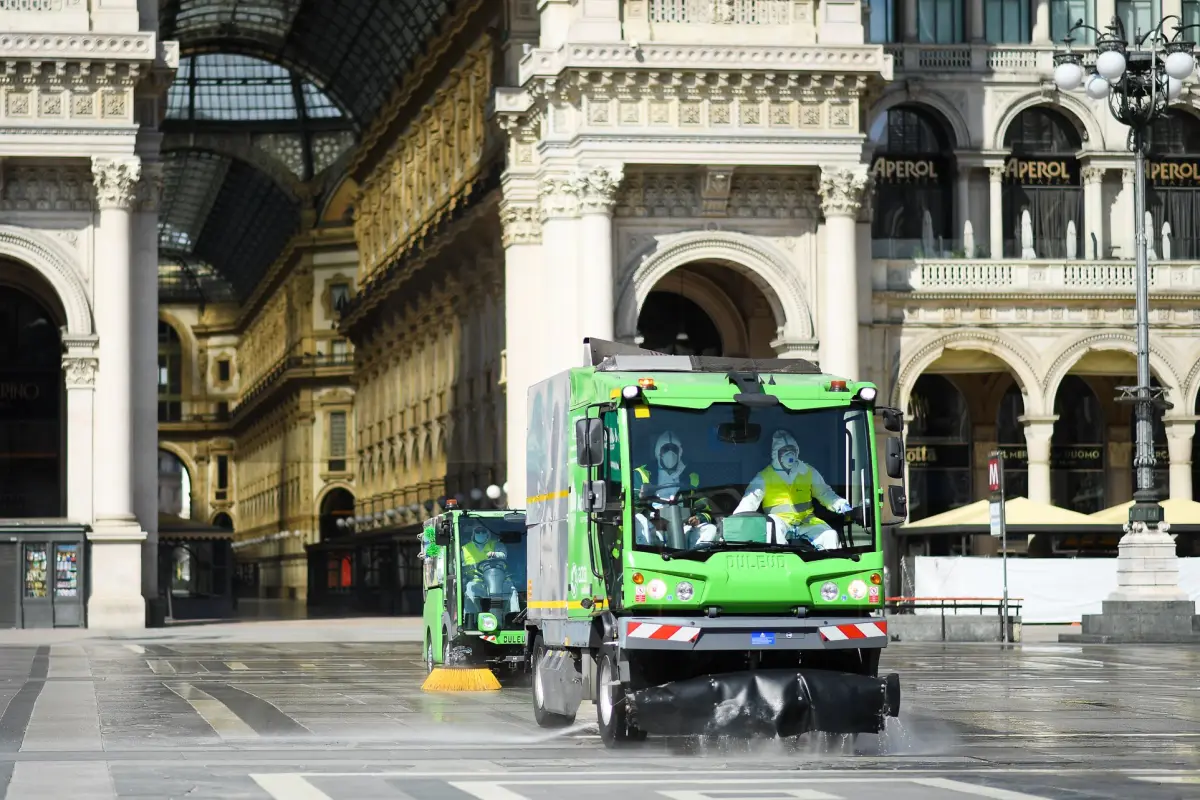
x: 475, y: 590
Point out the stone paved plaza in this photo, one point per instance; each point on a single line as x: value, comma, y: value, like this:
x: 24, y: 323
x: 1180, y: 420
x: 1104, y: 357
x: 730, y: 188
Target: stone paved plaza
x: 258, y: 712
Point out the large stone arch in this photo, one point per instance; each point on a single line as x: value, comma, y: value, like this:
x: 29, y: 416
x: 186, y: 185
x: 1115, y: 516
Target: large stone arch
x: 1069, y: 355
x: 1018, y: 359
x: 1071, y: 107
x: 58, y: 267
x: 1190, y: 390
x: 765, y: 266
x: 956, y: 126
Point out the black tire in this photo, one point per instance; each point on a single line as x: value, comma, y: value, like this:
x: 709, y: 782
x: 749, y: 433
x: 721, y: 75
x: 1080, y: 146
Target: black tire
x: 544, y: 718
x: 612, y: 713
x: 428, y: 652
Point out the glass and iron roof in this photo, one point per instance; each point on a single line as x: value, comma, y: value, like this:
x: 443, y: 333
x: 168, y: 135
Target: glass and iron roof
x: 357, y: 51
x: 230, y: 87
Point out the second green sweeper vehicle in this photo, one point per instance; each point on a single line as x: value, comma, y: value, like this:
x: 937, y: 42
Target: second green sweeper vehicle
x: 705, y: 551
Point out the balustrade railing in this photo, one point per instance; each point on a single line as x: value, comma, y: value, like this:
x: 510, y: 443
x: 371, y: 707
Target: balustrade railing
x: 985, y: 276
x: 976, y: 58
x: 716, y: 22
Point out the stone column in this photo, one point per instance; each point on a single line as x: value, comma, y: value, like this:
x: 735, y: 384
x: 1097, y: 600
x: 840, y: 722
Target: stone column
x: 996, y: 210
x: 1127, y: 243
x: 597, y: 192
x: 79, y: 368
x: 1093, y: 212
x: 1180, y: 432
x: 975, y: 28
x: 910, y: 32
x: 559, y: 197
x: 1038, y: 433
x: 841, y: 191
x: 117, y: 539
x: 524, y: 335
x: 145, y: 374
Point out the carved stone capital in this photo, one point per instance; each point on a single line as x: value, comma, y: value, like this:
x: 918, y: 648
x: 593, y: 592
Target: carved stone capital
x: 116, y: 181
x: 842, y: 189
x: 559, y: 197
x: 996, y: 173
x: 1093, y: 174
x: 1127, y: 175
x: 522, y: 224
x: 597, y: 189
x: 79, y: 371
x: 150, y: 189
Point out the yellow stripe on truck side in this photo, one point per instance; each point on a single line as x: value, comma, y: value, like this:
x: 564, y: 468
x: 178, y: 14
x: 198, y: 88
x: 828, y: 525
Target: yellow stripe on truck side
x: 542, y: 604
x: 541, y: 498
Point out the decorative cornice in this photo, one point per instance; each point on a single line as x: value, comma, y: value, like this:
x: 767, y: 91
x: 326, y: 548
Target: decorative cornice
x: 842, y: 189
x: 116, y: 181
x: 78, y: 47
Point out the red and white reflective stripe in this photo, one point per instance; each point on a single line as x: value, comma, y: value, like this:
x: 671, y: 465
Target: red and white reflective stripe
x: 858, y: 630
x: 661, y: 633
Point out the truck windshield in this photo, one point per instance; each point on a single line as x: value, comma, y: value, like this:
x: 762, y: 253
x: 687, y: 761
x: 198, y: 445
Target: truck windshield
x: 493, y: 555
x: 730, y: 477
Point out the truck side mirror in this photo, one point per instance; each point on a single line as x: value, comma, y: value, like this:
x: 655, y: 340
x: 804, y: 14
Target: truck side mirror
x: 442, y: 535
x: 893, y: 420
x: 895, y: 458
x: 898, y: 501
x: 596, y: 497
x: 589, y: 442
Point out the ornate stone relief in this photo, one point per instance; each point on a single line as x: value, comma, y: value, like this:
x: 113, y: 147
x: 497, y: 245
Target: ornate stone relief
x: 559, y: 196
x: 116, y: 181
x: 597, y: 188
x: 522, y: 224
x: 716, y: 192
x: 842, y: 189
x: 79, y: 371
x: 1093, y: 174
x: 47, y: 189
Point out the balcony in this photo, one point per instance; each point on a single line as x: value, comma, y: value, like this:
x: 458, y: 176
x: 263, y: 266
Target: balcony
x: 744, y: 22
x: 1040, y: 276
x: 306, y: 366
x: 1001, y: 59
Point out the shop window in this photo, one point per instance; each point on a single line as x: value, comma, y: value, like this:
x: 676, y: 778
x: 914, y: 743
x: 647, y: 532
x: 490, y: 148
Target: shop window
x: 1010, y: 435
x: 938, y: 448
x: 1063, y: 16
x: 940, y: 21
x: 1077, y: 452
x: 1006, y: 21
x: 1190, y: 14
x: 1173, y: 186
x: 881, y: 21
x: 170, y: 374
x: 1042, y: 193
x: 914, y: 184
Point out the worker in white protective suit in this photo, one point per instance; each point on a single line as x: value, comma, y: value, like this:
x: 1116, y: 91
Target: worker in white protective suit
x: 786, y: 489
x: 672, y: 478
x: 482, y: 550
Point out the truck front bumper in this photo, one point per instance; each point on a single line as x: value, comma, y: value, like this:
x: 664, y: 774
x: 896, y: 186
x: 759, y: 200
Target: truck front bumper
x: 751, y: 633
x: 767, y: 703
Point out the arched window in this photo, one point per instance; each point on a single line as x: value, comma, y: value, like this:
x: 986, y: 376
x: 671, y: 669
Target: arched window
x: 938, y: 448
x: 1042, y: 195
x: 174, y: 486
x: 914, y: 180
x: 1010, y: 435
x: 1173, y: 186
x: 337, y: 505
x: 671, y: 323
x: 170, y: 374
x: 1077, y: 474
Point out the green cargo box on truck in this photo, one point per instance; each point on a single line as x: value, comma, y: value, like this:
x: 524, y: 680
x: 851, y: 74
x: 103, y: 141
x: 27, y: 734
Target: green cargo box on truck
x: 705, y: 546
x: 475, y: 589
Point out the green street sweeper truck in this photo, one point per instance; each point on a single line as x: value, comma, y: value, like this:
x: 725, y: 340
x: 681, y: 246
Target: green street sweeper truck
x: 705, y: 553
x: 475, y: 589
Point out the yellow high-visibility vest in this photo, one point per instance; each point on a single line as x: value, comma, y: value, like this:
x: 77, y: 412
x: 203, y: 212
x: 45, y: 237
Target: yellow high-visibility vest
x: 790, y: 501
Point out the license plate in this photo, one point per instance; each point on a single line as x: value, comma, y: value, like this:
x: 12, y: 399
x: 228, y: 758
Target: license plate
x: 762, y: 639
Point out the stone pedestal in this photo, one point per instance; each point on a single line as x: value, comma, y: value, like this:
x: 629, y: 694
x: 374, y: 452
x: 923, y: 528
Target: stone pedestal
x: 1148, y: 606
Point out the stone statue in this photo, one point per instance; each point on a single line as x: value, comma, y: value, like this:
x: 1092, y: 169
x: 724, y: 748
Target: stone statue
x: 1166, y: 241
x: 927, y: 242
x: 968, y: 239
x: 1027, y: 250
x: 1072, y: 241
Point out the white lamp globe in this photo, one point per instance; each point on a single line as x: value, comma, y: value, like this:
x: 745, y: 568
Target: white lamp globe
x: 1097, y: 88
x: 1174, y: 88
x: 1067, y: 76
x: 1110, y: 64
x: 1180, y: 65
x: 493, y: 492
x: 476, y: 494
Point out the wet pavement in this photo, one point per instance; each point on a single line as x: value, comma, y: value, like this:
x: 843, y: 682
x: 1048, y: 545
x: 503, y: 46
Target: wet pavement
x: 190, y: 714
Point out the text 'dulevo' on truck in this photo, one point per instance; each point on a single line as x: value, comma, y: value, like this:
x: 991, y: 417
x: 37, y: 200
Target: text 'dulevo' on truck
x: 704, y: 546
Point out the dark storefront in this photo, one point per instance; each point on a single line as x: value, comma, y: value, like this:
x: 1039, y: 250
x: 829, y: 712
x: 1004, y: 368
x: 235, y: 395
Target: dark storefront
x: 195, y: 569
x: 1042, y: 178
x: 366, y: 573
x: 42, y: 569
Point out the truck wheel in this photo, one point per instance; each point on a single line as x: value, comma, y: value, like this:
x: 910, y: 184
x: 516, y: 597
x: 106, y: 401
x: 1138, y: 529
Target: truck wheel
x: 611, y: 711
x: 544, y: 718
x: 428, y: 652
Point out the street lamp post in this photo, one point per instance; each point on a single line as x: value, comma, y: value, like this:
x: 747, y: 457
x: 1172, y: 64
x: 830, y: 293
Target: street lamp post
x: 1139, y: 78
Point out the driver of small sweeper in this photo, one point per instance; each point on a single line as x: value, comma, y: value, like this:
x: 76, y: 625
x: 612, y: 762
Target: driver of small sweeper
x: 671, y: 478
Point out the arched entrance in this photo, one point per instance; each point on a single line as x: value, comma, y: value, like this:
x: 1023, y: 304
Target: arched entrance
x: 913, y: 170
x: 223, y: 521
x: 174, y: 486
x: 1078, y: 449
x: 337, y: 505
x: 1042, y: 179
x: 938, y: 448
x: 709, y: 309
x: 32, y: 426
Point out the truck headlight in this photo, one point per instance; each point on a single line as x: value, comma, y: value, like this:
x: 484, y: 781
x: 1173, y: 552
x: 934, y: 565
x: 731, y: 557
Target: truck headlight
x: 488, y: 623
x: 868, y: 394
x: 631, y: 392
x: 829, y: 592
x: 684, y: 591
